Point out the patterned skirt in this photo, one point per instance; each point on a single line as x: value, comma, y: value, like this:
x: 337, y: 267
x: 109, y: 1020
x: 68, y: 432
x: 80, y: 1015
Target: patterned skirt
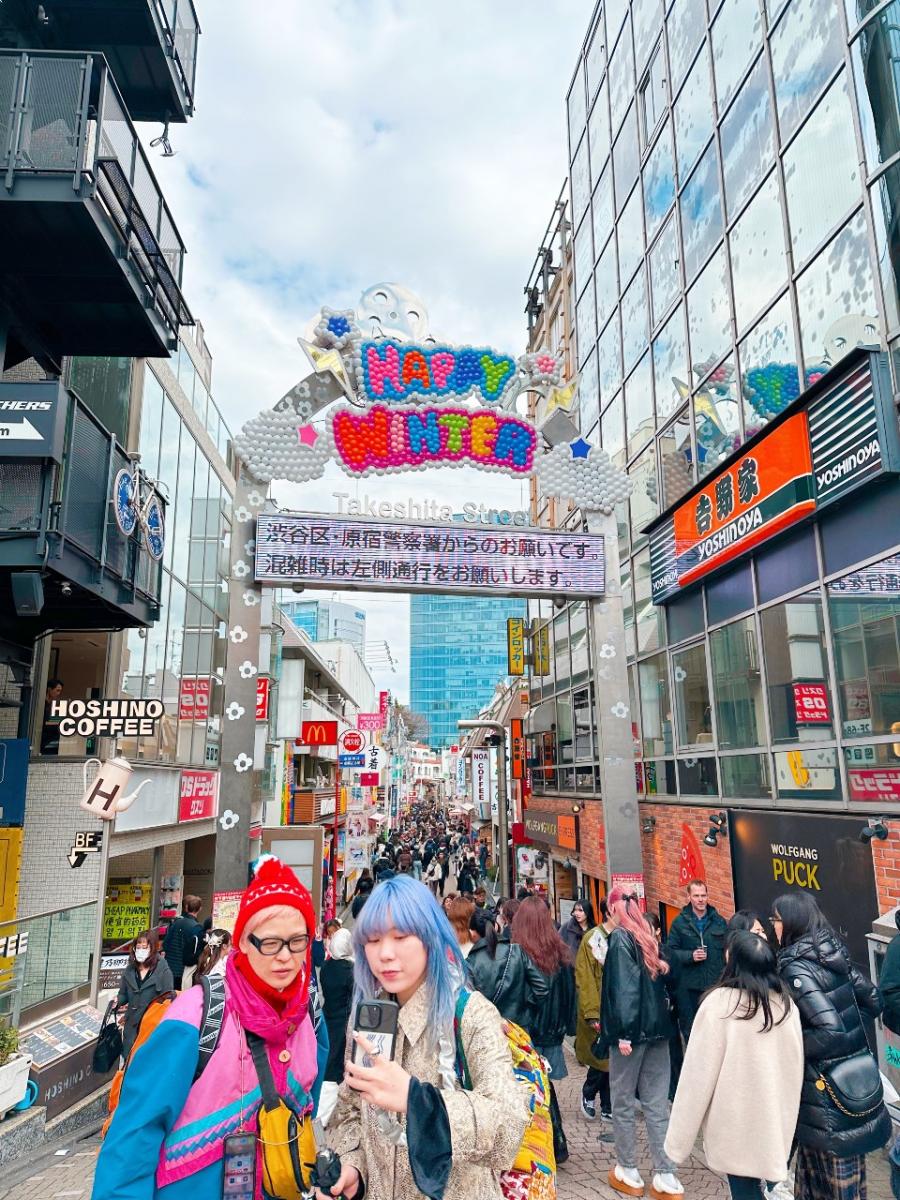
x: 824, y: 1176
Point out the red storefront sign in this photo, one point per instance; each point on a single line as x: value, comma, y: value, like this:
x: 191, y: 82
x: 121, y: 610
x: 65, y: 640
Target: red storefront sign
x: 811, y: 704
x: 193, y: 700
x: 517, y: 748
x: 369, y: 779
x: 262, y: 698
x: 319, y: 733
x: 199, y: 796
x: 874, y: 783
x: 383, y: 698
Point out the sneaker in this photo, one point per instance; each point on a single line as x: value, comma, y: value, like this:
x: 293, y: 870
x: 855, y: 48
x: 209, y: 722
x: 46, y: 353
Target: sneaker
x: 665, y: 1184
x: 606, y: 1136
x: 606, y: 1114
x: 626, y: 1180
x: 588, y: 1108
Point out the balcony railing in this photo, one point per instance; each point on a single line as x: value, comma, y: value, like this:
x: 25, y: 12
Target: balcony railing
x: 183, y: 29
x: 61, y: 115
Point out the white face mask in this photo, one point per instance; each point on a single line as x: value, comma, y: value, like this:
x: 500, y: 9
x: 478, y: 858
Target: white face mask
x: 142, y: 955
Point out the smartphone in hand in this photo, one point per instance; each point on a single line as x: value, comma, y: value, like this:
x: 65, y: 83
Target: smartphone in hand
x: 376, y: 1020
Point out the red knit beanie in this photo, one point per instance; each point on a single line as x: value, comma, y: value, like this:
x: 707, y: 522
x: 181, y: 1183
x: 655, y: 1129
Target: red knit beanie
x: 274, y: 884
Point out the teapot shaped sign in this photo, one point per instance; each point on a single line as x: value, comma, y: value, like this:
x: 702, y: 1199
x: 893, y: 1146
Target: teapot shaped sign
x: 105, y: 796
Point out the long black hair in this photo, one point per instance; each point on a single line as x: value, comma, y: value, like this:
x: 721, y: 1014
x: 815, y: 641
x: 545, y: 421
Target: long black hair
x: 746, y: 918
x: 482, y: 923
x: 750, y: 971
x: 588, y: 909
x: 800, y: 915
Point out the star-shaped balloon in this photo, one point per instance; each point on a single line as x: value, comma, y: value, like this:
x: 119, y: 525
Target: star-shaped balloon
x: 307, y: 435
x: 580, y: 448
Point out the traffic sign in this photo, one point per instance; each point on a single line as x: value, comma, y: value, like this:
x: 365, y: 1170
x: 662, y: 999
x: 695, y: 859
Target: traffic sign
x: 352, y: 741
x: 348, y: 761
x: 86, y: 842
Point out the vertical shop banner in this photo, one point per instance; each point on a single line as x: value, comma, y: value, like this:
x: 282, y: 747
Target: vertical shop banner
x: 262, y: 698
x: 461, y: 776
x: 481, y: 783
x: 199, y: 795
x: 776, y: 852
x: 517, y: 748
x: 384, y: 700
x: 540, y: 650
x: 811, y: 704
x: 515, y: 646
x: 193, y: 699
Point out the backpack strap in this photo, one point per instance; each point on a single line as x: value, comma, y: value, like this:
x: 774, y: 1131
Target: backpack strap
x: 260, y: 1056
x: 462, y: 1067
x: 211, y: 1019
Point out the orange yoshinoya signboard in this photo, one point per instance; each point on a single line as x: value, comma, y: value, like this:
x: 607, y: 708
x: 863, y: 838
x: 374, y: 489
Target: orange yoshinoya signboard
x: 764, y: 491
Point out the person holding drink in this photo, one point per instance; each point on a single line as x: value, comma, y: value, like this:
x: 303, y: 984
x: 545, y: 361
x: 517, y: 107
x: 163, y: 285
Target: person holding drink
x: 696, y: 950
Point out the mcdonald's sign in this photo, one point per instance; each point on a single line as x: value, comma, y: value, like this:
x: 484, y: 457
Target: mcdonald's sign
x: 319, y: 733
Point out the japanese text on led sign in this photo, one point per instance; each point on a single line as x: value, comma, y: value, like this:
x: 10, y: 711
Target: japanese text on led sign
x: 328, y: 552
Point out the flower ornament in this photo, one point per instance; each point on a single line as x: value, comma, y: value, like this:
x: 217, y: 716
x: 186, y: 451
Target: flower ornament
x: 247, y: 669
x: 240, y: 569
x: 234, y: 711
x: 585, y: 476
x: 606, y: 651
x: 250, y: 598
x: 229, y: 819
x: 689, y: 762
x: 542, y: 369
x: 255, y: 499
x: 336, y: 329
x: 238, y: 635
x: 242, y: 515
x: 243, y: 763
x: 680, y: 674
x: 619, y: 710
x: 250, y: 547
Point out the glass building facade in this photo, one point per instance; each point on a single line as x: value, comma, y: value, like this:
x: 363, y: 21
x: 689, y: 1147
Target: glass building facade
x: 326, y: 620
x: 734, y: 185
x: 457, y: 655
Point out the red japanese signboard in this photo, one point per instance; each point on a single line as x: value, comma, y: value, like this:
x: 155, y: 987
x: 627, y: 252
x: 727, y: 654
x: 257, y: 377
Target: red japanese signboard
x: 517, y: 748
x: 352, y: 741
x: 874, y: 783
x: 319, y: 733
x: 193, y: 700
x: 383, y: 698
x: 369, y: 779
x: 262, y: 698
x: 811, y: 704
x: 199, y: 796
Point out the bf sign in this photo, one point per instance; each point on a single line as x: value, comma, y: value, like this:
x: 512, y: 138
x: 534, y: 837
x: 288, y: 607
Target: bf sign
x: 319, y: 733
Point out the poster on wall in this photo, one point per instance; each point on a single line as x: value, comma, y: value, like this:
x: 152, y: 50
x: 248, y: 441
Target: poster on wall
x: 775, y: 853
x: 632, y: 884
x: 225, y: 907
x: 127, y: 910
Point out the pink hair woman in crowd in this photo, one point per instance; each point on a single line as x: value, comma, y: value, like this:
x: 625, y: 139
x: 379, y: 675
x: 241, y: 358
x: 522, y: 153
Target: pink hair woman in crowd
x: 635, y: 1027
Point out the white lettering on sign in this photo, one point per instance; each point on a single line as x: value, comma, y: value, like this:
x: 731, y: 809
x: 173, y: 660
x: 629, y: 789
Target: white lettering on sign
x: 13, y: 945
x: 733, y: 532
x: 25, y: 405
x: 849, y: 464
x: 809, y: 852
x: 107, y: 718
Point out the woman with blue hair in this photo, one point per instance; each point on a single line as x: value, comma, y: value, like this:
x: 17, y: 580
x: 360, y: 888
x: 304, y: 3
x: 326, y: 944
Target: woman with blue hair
x: 405, y: 1126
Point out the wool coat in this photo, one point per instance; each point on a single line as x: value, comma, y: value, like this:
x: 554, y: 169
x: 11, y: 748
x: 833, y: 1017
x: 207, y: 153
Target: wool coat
x: 486, y: 1124
x: 741, y: 1087
x: 588, y: 984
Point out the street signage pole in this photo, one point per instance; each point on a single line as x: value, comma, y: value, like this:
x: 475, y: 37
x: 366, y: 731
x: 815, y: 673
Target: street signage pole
x: 502, y: 815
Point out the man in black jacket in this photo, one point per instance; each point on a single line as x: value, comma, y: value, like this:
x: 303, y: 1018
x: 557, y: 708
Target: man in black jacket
x: 696, y: 950
x: 184, y: 939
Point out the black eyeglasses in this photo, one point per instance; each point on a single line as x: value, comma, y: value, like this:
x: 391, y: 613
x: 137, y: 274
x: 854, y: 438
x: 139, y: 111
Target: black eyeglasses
x: 271, y: 946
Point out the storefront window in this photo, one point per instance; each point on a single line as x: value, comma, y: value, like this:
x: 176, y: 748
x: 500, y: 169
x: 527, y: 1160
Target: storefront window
x: 612, y: 430
x: 656, y: 707
x: 561, y: 649
x: 659, y: 182
x: 873, y: 773
x: 76, y: 670
x: 645, y: 496
x: 626, y: 157
x: 717, y: 417
x: 631, y: 237
x: 864, y: 608
x: 621, y: 76
x: 769, y: 377
x: 581, y: 184
x: 676, y: 459
x: 635, y: 328
x: 650, y: 617
x: 603, y: 207
x: 877, y: 84
x: 104, y: 384
x: 639, y: 404
x: 659, y: 778
x: 598, y: 122
x: 606, y: 282
x: 701, y: 213
x: 692, y: 708
x: 745, y: 777
x: 800, y: 703
x: 151, y: 423
x: 585, y: 323
x: 697, y: 777
x: 693, y: 114
x: 609, y: 361
x: 737, y: 687
x: 583, y: 741
x: 808, y: 775
x: 665, y: 283
x: 670, y: 367
x: 709, y: 315
x: 579, y: 641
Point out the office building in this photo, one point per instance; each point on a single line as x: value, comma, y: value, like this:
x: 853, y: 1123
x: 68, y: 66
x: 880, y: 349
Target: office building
x: 733, y: 209
x: 457, y: 655
x: 328, y: 620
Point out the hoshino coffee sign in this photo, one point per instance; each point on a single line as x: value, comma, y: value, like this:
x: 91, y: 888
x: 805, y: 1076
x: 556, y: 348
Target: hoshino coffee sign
x: 106, y: 718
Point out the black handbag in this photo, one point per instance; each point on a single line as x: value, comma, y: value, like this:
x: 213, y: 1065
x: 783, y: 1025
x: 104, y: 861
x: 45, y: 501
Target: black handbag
x: 108, y: 1049
x: 853, y: 1085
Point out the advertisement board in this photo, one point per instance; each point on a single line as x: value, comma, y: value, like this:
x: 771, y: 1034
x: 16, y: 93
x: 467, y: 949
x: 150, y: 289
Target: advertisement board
x: 341, y: 552
x: 198, y: 796
x: 482, y: 784
x: 193, y: 699
x: 774, y: 852
x: 262, y: 698
x: 127, y: 910
x: 552, y: 829
x: 515, y: 646
x: 319, y: 733
x: 811, y: 704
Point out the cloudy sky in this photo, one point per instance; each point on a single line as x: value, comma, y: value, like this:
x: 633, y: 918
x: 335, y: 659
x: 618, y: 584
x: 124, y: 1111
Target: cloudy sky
x: 339, y: 145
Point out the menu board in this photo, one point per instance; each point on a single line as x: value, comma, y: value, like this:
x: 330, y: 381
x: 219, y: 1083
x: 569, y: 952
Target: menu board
x: 62, y: 1035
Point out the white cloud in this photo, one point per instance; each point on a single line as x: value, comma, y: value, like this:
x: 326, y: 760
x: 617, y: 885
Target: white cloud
x: 339, y: 145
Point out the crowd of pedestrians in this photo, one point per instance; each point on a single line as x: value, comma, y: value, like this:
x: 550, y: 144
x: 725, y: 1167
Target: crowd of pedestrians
x: 748, y: 1034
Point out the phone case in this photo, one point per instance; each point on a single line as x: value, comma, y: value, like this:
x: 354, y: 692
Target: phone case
x: 239, y: 1164
x: 381, y: 1039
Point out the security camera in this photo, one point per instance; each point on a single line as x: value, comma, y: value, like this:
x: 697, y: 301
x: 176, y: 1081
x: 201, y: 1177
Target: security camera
x: 66, y: 590
x: 876, y: 828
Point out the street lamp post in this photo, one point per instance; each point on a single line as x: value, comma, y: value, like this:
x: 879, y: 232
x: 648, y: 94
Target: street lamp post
x: 503, y: 860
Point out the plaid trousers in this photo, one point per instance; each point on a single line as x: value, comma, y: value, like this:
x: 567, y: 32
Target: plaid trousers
x: 823, y: 1176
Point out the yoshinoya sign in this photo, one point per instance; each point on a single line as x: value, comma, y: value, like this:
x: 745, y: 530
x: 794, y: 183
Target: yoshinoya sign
x: 107, y: 718
x: 842, y: 435
x: 328, y: 552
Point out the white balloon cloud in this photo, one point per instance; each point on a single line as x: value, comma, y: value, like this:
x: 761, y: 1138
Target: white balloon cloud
x: 270, y: 448
x: 592, y: 482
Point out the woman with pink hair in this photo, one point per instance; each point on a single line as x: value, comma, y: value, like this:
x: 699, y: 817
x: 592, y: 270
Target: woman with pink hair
x: 635, y: 1026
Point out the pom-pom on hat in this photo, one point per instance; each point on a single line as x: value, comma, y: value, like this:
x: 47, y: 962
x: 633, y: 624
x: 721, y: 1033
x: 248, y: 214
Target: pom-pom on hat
x: 274, y: 885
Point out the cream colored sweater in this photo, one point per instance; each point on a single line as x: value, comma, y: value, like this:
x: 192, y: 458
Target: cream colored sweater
x: 741, y: 1087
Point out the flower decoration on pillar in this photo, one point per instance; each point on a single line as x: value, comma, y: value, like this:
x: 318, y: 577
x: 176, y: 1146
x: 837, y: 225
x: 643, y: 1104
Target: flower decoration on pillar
x: 237, y: 635
x: 587, y: 477
x: 250, y: 598
x: 242, y: 515
x: 230, y: 819
x: 240, y: 569
x: 247, y: 669
x: 234, y: 711
x: 619, y: 710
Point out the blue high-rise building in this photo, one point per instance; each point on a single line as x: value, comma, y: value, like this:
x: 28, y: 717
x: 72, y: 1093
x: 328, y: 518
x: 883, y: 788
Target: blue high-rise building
x: 457, y: 653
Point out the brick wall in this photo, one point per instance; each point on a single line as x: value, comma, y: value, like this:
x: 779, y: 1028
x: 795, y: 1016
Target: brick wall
x: 592, y: 847
x: 662, y: 857
x: 886, y: 857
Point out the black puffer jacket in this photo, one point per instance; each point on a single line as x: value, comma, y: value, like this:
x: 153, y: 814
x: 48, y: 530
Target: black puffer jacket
x: 633, y: 1007
x: 829, y: 993
x: 555, y: 1017
x: 510, y: 980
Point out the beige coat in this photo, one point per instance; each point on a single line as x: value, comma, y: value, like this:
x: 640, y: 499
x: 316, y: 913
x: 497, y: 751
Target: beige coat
x: 741, y: 1087
x: 487, y: 1124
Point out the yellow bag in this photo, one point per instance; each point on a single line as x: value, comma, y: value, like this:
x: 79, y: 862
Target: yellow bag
x: 287, y: 1143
